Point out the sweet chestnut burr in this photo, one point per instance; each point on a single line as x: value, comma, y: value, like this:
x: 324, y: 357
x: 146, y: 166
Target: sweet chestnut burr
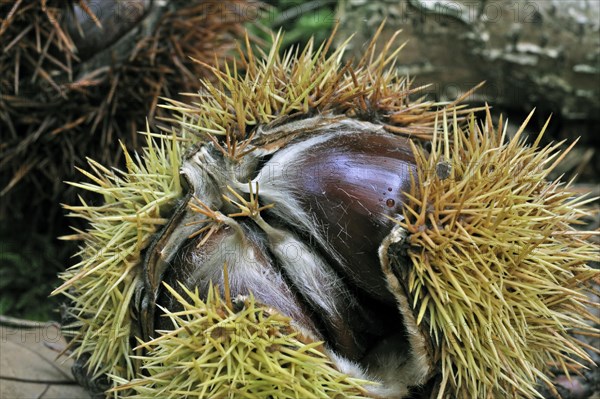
x: 291, y: 237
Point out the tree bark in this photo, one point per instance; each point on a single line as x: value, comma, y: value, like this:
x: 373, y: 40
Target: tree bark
x: 529, y: 52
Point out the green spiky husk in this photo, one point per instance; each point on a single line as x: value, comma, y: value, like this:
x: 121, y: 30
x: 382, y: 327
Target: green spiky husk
x: 252, y: 353
x: 101, y: 286
x: 303, y: 84
x: 498, y: 273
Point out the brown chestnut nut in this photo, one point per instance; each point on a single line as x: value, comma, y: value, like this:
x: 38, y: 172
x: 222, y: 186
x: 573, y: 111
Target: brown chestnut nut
x: 250, y: 270
x: 350, y: 185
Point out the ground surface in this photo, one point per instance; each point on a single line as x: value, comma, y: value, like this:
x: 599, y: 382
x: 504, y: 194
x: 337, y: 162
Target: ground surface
x: 29, y: 367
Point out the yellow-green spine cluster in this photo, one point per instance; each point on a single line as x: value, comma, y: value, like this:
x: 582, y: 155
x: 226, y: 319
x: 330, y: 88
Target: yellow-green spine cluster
x: 273, y: 88
x: 497, y: 272
x: 101, y: 286
x: 252, y: 352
